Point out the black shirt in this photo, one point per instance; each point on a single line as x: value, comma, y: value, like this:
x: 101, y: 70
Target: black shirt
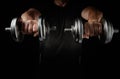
x: 59, y: 46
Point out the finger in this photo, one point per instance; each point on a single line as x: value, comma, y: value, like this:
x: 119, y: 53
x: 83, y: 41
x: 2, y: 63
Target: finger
x: 36, y: 34
x: 23, y: 28
x: 91, y: 30
x: 87, y: 29
x: 100, y: 28
x: 85, y: 36
x: 26, y: 28
x: 35, y: 28
x: 97, y: 28
x: 30, y: 28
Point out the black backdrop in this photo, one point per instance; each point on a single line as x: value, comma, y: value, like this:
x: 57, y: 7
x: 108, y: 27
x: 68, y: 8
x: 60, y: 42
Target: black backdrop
x: 101, y: 56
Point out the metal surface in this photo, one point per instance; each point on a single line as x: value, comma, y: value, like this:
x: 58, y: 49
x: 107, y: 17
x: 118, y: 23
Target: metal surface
x: 108, y: 31
x: 15, y: 31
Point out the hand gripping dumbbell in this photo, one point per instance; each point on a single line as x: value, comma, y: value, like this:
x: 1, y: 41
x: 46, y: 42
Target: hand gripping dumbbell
x: 18, y: 36
x: 76, y: 29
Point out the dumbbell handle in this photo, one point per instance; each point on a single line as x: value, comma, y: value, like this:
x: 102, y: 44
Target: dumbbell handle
x: 116, y: 31
x: 7, y: 29
x: 65, y: 29
x: 68, y: 29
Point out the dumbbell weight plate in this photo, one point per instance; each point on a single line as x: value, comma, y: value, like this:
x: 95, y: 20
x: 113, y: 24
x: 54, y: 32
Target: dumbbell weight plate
x: 108, y: 31
x: 15, y: 31
x: 42, y: 29
x: 77, y: 30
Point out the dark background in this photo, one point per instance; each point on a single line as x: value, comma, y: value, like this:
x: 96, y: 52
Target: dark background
x: 22, y: 56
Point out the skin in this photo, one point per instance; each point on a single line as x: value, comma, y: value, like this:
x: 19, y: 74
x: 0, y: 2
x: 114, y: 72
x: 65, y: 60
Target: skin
x: 29, y: 18
x: 91, y: 14
x: 61, y: 3
x: 30, y: 21
x: 92, y: 27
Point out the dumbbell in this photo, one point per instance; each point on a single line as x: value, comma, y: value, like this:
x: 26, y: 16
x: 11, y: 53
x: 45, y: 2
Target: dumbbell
x: 76, y: 29
x: 18, y: 36
x: 107, y: 31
